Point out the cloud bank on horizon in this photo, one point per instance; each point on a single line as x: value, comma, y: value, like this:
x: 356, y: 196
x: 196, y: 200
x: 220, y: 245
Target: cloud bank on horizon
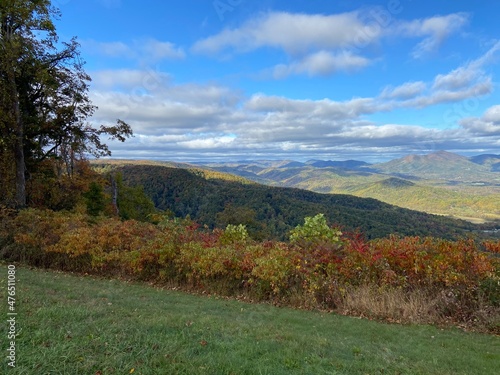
x: 234, y: 79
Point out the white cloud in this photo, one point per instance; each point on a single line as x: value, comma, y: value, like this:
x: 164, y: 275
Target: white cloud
x: 158, y: 107
x: 488, y: 125
x: 189, y: 119
x: 456, y: 79
x: 326, y: 108
x: 149, y: 50
x: 481, y: 88
x: 434, y: 29
x: 467, y: 74
x: 110, y: 49
x: 492, y: 114
x: 322, y: 63
x: 320, y: 45
x: 294, y: 33
x: 405, y: 91
x: 214, y: 142
x: 158, y: 50
x: 139, y: 81
x: 468, y: 81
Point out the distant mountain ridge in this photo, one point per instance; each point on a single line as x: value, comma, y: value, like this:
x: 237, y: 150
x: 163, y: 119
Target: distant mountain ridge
x: 347, y: 164
x: 441, y: 165
x: 490, y: 160
x: 485, y: 158
x: 440, y: 182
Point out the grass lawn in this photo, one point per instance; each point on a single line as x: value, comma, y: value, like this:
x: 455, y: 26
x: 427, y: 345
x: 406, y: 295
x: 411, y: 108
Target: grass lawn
x: 69, y: 324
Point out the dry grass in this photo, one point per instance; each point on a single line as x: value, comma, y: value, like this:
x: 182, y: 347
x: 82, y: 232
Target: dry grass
x: 393, y: 304
x: 420, y: 306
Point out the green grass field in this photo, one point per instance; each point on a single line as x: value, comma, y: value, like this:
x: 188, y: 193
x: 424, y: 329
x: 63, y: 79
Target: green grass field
x: 68, y: 324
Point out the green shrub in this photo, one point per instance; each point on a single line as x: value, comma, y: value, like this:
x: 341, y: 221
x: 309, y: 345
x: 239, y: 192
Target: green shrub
x: 234, y: 234
x: 315, y: 230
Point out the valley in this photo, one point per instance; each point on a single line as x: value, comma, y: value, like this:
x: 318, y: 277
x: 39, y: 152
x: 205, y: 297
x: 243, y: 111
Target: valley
x: 440, y: 183
x: 215, y: 198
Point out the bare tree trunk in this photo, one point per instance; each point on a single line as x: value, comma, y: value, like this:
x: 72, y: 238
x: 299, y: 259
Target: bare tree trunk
x: 114, y: 186
x: 20, y: 196
x: 20, y: 168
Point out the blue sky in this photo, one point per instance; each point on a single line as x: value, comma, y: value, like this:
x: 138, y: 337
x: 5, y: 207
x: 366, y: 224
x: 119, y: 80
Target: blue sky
x: 239, y: 79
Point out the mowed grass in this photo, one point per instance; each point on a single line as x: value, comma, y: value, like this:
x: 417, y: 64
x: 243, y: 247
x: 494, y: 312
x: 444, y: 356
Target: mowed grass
x: 69, y: 324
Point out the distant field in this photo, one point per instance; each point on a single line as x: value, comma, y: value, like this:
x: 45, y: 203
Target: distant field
x: 71, y: 324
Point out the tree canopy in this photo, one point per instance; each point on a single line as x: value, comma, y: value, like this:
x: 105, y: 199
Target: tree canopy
x: 44, y: 101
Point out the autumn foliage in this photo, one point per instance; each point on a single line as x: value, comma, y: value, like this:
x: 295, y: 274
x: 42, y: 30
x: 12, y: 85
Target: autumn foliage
x: 313, y: 272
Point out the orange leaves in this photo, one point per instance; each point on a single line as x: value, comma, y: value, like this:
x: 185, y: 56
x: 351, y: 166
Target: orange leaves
x: 178, y: 250
x: 43, y: 228
x: 425, y: 261
x: 492, y: 246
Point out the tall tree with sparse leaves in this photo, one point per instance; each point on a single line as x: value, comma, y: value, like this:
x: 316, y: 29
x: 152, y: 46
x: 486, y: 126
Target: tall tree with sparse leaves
x: 44, y: 102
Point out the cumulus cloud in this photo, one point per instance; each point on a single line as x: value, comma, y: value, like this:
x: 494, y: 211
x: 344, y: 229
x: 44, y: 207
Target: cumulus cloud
x: 159, y: 116
x: 322, y: 63
x: 320, y: 45
x: 156, y: 106
x: 184, y: 120
x: 488, y: 125
x: 110, y: 49
x: 456, y: 79
x: 327, y: 108
x: 469, y: 81
x: 294, y: 33
x: 213, y: 142
x: 481, y: 88
x: 158, y: 50
x: 493, y: 114
x: 467, y: 74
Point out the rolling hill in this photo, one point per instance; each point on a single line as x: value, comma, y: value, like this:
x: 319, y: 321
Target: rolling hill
x: 489, y: 160
x: 270, y: 212
x: 441, y: 183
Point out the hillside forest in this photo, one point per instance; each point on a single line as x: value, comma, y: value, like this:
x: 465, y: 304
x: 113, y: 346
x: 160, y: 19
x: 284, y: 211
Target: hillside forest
x: 206, y: 231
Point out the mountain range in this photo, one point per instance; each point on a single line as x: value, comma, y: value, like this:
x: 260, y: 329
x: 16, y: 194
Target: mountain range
x: 441, y: 183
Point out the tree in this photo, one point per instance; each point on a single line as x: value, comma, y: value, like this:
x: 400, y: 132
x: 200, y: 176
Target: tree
x: 94, y: 199
x: 131, y: 202
x: 44, y: 103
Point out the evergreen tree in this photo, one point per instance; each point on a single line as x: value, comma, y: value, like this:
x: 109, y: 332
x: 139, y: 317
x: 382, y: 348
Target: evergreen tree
x: 95, y: 199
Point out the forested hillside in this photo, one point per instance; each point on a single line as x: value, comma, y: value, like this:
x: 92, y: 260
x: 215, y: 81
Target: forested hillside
x: 440, y: 183
x: 270, y: 212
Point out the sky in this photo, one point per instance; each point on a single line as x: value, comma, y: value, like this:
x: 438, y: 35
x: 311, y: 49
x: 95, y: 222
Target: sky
x: 228, y: 80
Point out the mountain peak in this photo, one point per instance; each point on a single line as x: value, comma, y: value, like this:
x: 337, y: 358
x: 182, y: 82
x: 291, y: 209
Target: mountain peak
x: 445, y: 155
x: 434, y: 157
x: 439, y: 165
